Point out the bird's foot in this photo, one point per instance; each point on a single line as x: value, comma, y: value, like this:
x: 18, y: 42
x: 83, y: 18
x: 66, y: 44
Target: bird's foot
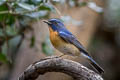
x: 56, y: 56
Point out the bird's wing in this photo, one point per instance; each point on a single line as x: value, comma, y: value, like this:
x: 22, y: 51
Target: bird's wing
x: 68, y: 37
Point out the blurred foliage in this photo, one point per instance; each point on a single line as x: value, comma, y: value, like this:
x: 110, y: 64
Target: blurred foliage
x: 15, y: 16
x: 112, y: 13
x: 3, y: 58
x: 47, y: 47
x: 32, y: 41
x: 69, y: 19
x: 112, y: 18
x: 15, y: 19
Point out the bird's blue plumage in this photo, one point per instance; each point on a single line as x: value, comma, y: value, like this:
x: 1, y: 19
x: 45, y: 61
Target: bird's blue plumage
x: 66, y: 42
x: 56, y: 24
x: 68, y: 37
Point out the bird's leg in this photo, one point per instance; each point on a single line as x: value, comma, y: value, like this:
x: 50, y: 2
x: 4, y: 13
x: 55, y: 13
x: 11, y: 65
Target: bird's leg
x: 53, y: 57
x: 59, y: 56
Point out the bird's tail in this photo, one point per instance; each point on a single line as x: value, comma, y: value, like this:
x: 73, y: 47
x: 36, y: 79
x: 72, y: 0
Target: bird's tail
x: 95, y: 65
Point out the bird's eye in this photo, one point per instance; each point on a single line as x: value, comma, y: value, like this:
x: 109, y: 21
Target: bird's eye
x: 55, y: 23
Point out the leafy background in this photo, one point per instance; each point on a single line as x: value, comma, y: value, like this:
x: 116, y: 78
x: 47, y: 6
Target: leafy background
x: 17, y: 32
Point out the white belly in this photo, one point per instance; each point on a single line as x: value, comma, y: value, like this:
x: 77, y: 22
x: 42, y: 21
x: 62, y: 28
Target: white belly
x: 69, y: 49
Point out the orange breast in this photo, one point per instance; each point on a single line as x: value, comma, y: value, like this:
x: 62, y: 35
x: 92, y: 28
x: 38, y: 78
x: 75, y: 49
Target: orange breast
x: 55, y: 39
x: 61, y: 45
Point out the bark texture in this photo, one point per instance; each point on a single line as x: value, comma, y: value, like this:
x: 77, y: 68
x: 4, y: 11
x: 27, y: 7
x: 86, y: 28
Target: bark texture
x: 54, y: 64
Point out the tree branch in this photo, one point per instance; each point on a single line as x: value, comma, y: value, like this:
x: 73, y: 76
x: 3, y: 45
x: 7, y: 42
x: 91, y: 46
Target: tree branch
x: 69, y: 67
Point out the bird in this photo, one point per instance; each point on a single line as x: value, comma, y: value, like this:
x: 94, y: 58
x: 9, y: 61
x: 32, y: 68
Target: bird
x: 65, y: 42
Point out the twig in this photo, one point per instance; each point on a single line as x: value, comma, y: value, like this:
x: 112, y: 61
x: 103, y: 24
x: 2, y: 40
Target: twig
x: 56, y: 9
x: 69, y: 67
x: 20, y: 13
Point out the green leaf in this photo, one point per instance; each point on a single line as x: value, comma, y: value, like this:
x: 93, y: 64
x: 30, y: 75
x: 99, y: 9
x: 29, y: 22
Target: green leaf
x: 10, y: 19
x: 47, y: 47
x: 13, y: 45
x: 35, y: 2
x: 47, y: 5
x: 10, y: 31
x: 6, y: 17
x: 19, y: 10
x: 26, y: 6
x: 44, y: 8
x: 2, y: 2
x: 4, y: 48
x: 1, y: 33
x: 10, y: 48
x: 32, y: 41
x: 3, y: 58
x: 3, y: 16
x: 38, y: 14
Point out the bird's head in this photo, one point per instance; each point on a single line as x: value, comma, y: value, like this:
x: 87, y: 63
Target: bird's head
x: 55, y: 24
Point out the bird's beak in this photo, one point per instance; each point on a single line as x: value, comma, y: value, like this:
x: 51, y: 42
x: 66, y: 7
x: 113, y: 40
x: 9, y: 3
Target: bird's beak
x: 45, y: 21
